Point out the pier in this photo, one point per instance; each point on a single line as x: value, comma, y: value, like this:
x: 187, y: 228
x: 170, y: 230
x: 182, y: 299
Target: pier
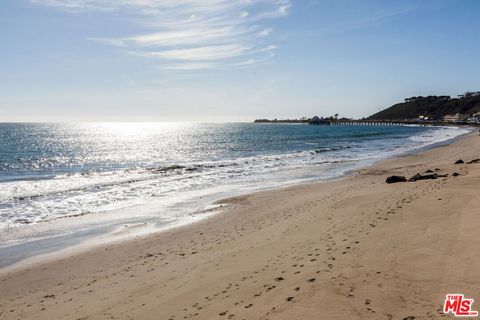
x: 316, y: 121
x: 332, y: 122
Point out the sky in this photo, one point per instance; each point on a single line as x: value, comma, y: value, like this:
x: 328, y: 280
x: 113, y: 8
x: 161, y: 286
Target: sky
x: 230, y: 60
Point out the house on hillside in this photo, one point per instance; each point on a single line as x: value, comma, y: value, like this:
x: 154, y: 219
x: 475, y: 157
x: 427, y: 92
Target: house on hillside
x: 456, y: 118
x: 472, y: 94
x: 474, y: 119
x: 469, y: 94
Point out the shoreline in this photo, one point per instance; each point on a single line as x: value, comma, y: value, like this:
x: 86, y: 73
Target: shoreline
x: 317, y: 237
x: 89, y: 238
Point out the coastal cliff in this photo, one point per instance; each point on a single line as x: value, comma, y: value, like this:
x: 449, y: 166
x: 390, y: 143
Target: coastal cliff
x: 433, y: 107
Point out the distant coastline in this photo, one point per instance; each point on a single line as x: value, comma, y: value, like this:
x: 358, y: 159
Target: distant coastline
x: 281, y: 121
x: 431, y: 110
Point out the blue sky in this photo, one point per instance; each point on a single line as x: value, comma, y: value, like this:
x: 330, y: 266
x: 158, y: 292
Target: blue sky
x: 230, y: 60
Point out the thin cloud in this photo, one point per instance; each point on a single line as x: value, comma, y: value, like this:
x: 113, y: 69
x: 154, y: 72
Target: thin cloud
x: 265, y: 32
x: 191, y: 66
x: 201, y: 53
x: 192, y: 34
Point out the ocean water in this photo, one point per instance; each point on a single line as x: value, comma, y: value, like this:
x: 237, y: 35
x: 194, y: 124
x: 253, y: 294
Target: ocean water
x: 162, y: 173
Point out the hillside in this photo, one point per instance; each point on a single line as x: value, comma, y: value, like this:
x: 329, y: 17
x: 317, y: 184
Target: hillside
x: 434, y: 107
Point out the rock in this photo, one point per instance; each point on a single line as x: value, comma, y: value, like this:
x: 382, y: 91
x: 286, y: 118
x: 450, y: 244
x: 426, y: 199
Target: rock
x: 395, y: 179
x: 455, y: 174
x: 473, y: 161
x: 409, y: 318
x: 418, y: 176
x: 429, y: 171
x: 459, y: 161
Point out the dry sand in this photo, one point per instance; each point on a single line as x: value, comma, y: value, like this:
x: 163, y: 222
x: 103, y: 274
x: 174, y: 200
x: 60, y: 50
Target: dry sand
x: 356, y: 248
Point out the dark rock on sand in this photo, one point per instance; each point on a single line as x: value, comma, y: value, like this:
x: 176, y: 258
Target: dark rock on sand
x: 166, y: 169
x: 459, y: 161
x: 395, y: 179
x: 473, y: 161
x: 418, y: 176
x: 429, y: 171
x: 455, y: 174
x: 23, y: 221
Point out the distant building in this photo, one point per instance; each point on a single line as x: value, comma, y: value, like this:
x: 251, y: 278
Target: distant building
x: 319, y: 121
x: 469, y: 94
x: 456, y: 118
x: 472, y: 94
x: 474, y: 119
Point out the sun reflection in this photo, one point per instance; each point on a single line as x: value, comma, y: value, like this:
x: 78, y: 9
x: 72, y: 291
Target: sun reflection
x: 136, y: 130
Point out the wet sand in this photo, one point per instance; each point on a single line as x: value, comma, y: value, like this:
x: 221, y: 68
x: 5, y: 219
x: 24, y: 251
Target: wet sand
x: 355, y: 248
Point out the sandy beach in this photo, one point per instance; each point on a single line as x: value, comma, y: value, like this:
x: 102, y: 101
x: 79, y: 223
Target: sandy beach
x: 354, y: 248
